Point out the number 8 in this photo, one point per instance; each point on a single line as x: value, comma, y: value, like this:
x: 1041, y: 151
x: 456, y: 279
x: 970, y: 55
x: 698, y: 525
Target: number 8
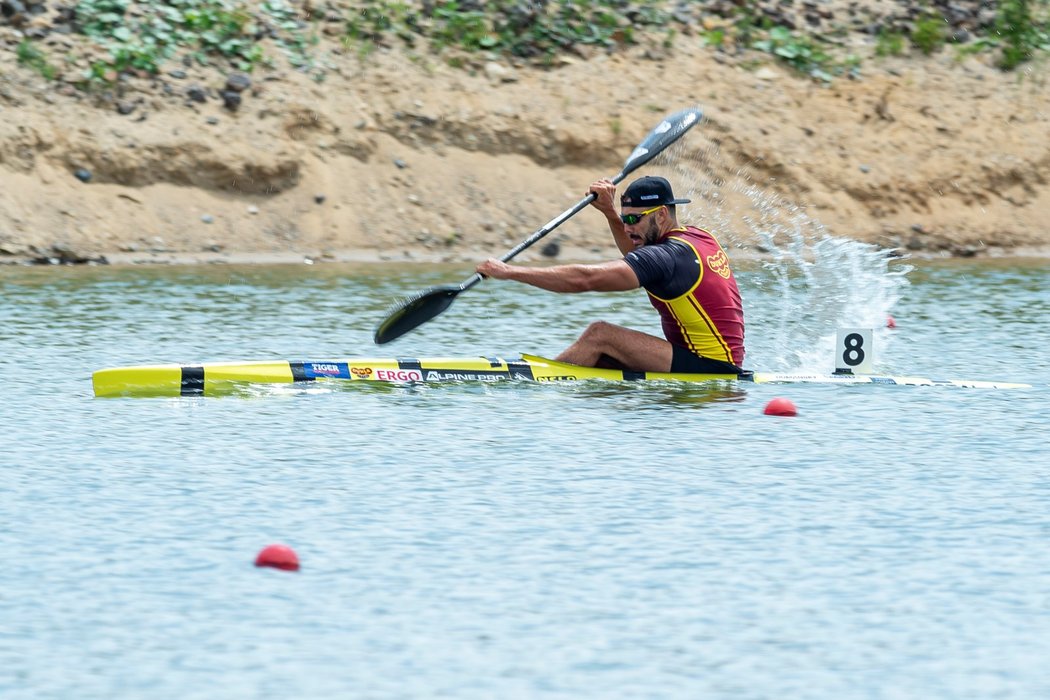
x: 853, y: 353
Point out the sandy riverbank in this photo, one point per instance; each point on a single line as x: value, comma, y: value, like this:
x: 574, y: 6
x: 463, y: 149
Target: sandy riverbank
x: 397, y: 157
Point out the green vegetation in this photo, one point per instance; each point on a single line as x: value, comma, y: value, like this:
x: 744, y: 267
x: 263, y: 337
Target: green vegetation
x: 1020, y: 32
x: 369, y: 26
x: 929, y: 35
x: 801, y: 53
x: 199, y: 28
x: 715, y: 37
x: 889, y: 43
x: 138, y: 37
x: 526, y: 30
x: 29, y: 55
x: 293, y: 39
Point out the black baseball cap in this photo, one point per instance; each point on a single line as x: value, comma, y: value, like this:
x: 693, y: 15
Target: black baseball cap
x: 649, y: 191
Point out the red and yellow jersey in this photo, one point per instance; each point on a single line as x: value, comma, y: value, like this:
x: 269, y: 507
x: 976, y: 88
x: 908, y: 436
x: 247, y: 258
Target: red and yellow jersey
x: 691, y: 284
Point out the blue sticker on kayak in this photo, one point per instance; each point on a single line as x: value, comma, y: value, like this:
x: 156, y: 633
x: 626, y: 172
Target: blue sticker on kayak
x: 336, y: 370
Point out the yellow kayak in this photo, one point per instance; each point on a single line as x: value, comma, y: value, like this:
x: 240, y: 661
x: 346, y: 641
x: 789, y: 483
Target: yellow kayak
x: 215, y: 378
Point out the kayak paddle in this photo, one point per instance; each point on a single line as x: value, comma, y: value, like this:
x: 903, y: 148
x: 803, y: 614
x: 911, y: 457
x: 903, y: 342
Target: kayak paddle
x: 417, y: 310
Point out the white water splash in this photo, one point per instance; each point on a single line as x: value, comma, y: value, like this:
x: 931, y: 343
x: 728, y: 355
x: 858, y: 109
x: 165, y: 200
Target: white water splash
x: 807, y: 283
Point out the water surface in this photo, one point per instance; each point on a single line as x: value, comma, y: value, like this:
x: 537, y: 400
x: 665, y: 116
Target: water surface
x: 523, y: 540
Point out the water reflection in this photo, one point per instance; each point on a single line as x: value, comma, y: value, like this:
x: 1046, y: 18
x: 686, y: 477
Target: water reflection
x: 633, y: 396
x: 659, y: 395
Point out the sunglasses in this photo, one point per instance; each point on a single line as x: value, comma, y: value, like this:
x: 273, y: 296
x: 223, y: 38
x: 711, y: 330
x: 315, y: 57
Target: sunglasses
x: 632, y: 219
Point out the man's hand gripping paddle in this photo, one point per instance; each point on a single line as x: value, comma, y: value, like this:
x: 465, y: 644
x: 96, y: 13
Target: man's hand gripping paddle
x: 417, y: 310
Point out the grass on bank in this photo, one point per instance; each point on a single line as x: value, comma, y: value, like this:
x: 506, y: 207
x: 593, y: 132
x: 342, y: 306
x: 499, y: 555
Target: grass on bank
x: 29, y: 55
x: 139, y: 37
x: 1020, y: 32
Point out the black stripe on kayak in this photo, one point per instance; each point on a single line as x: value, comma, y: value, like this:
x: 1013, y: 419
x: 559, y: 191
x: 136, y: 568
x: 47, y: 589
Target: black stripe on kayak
x: 299, y: 372
x: 192, y: 382
x: 408, y: 363
x: 520, y: 369
x: 631, y: 375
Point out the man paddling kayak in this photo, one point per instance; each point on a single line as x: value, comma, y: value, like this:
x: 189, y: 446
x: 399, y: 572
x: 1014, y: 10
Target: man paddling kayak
x: 682, y: 268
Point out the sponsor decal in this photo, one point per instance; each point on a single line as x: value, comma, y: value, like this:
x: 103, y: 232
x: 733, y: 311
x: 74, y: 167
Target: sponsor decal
x: 399, y: 375
x: 649, y: 196
x: 640, y: 150
x: 557, y: 378
x: 326, y: 369
x: 361, y: 372
x: 436, y: 376
x: 719, y: 264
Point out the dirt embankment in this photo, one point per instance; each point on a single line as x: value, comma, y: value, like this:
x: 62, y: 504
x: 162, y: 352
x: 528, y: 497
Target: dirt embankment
x: 391, y: 158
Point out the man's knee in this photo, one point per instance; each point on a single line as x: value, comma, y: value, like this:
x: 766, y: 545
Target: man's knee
x: 598, y: 331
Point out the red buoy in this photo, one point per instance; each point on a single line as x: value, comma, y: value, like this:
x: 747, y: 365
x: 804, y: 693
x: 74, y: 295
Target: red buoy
x: 780, y: 407
x: 278, y: 556
x: 891, y: 322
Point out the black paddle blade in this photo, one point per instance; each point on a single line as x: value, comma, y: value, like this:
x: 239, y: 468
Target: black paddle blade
x: 415, y: 311
x: 666, y: 132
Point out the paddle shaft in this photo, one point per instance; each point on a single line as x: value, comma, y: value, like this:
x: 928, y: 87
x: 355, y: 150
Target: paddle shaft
x: 431, y: 302
x: 544, y: 230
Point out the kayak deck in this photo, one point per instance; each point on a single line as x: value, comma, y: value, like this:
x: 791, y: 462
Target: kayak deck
x: 219, y: 377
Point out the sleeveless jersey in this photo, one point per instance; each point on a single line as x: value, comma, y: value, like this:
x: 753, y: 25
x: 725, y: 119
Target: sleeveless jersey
x: 690, y: 283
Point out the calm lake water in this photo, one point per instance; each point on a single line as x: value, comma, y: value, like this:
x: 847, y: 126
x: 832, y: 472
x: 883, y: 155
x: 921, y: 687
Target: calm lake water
x: 524, y: 541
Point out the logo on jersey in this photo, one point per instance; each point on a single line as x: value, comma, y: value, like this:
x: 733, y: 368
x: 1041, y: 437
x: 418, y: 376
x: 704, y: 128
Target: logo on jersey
x: 719, y: 263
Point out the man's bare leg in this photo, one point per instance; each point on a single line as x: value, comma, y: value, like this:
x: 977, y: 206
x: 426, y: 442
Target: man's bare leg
x: 635, y: 350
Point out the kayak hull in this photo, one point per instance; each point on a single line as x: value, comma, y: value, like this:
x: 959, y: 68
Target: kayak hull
x: 172, y: 380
